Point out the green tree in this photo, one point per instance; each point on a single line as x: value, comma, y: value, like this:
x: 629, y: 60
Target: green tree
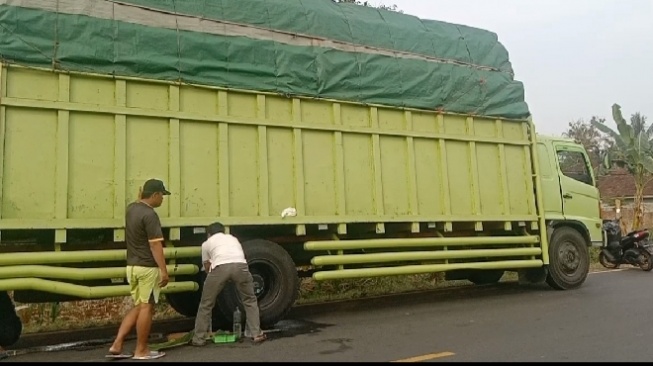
x: 638, y: 121
x: 633, y: 151
x: 367, y: 3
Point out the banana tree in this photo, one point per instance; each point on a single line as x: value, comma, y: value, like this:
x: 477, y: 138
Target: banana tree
x: 632, y: 151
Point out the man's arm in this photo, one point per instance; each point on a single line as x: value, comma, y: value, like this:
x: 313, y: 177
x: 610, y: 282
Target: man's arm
x: 206, y: 257
x: 155, y: 238
x: 156, y: 246
x: 157, y: 252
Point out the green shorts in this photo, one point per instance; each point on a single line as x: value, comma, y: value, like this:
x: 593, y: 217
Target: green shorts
x: 144, y: 284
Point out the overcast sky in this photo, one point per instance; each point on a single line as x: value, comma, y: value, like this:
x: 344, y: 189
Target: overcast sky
x: 575, y: 57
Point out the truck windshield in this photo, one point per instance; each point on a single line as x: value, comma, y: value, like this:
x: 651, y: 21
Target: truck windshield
x: 574, y: 165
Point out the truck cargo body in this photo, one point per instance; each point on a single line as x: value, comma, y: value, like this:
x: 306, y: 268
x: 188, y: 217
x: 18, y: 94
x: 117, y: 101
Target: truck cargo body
x: 242, y: 158
x: 77, y: 147
x: 339, y: 185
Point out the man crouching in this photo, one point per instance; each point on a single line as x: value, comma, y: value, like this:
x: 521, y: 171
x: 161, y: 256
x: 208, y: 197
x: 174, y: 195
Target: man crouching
x: 223, y: 259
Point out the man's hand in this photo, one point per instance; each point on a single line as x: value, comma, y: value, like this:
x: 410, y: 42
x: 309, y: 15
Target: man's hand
x: 164, y: 279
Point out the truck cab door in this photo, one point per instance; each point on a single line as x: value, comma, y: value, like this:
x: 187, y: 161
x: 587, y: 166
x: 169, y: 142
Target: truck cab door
x: 550, y: 182
x: 580, y: 197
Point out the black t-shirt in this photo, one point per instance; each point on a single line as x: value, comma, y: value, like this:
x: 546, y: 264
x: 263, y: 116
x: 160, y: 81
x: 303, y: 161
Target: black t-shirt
x: 142, y: 225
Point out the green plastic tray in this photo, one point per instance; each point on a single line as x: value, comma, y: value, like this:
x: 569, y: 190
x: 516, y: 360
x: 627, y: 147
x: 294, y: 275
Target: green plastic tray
x: 224, y: 338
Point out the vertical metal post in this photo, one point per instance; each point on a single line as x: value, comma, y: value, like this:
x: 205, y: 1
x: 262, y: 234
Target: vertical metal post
x: 539, y: 198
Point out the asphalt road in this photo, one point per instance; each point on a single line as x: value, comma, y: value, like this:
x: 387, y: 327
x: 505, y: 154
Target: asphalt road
x: 608, y: 319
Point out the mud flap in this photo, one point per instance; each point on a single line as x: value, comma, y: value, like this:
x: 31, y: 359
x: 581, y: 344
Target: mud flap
x: 532, y: 275
x: 10, y: 324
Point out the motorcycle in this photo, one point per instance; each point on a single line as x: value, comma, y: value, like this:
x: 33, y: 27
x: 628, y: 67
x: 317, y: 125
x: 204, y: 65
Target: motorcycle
x: 634, y: 248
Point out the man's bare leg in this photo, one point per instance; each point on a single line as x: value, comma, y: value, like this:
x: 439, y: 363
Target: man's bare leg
x: 143, y: 326
x: 126, y: 326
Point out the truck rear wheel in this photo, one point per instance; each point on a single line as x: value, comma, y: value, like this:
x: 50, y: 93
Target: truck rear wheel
x: 569, y: 260
x: 276, y: 283
x: 10, y: 324
x: 187, y: 303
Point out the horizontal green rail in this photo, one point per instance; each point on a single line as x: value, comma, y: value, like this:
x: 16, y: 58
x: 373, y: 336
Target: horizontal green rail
x: 85, y: 292
x: 27, y: 223
x: 418, y: 269
x: 418, y: 242
x: 87, y: 256
x: 82, y: 274
x: 422, y: 255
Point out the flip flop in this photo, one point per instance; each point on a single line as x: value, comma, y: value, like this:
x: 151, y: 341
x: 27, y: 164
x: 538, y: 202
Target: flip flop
x: 153, y: 355
x: 119, y: 355
x: 260, y: 338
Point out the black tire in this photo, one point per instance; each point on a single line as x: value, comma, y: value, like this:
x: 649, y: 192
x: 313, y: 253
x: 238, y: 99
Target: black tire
x: 646, y: 261
x: 187, y: 303
x: 11, y: 326
x: 486, y: 277
x: 569, y: 259
x: 605, y: 262
x: 276, y: 283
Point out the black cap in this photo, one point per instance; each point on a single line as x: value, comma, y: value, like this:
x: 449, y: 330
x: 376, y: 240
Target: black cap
x: 154, y: 186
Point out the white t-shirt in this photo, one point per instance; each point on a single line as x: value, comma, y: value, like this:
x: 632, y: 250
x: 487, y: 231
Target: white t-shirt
x: 222, y: 249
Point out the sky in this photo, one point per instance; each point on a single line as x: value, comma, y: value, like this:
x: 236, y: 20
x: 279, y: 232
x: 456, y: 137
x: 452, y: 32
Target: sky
x: 576, y: 58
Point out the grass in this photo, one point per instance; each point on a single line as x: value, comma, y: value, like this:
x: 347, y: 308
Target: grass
x: 93, y: 313
x: 82, y: 314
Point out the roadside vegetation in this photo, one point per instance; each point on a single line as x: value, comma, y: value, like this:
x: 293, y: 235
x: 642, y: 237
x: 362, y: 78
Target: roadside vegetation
x: 93, y: 313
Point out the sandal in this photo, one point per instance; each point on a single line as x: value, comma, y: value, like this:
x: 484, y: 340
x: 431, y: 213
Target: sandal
x: 115, y: 354
x: 260, y: 338
x: 119, y: 355
x: 153, y: 355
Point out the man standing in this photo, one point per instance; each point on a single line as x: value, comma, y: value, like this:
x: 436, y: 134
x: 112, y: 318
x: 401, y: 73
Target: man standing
x: 224, y: 260
x: 146, y: 269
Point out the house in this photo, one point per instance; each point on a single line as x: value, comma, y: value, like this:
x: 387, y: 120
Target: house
x: 617, y: 189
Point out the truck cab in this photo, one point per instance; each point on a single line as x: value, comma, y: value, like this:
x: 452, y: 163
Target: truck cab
x: 569, y: 187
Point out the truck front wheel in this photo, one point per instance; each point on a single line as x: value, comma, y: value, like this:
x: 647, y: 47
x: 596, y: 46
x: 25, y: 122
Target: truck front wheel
x: 10, y: 325
x: 569, y: 260
x: 276, y: 283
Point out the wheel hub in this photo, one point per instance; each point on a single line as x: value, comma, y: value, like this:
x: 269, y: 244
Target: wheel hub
x: 259, y: 284
x: 569, y: 257
x: 643, y: 259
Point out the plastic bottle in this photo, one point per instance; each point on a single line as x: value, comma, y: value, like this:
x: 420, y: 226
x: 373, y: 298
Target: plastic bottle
x: 237, y: 324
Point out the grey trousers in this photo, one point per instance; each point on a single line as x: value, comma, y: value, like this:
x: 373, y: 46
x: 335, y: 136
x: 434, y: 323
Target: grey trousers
x: 213, y: 285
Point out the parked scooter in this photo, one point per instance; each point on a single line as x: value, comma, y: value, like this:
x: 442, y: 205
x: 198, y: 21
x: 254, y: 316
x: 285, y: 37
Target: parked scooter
x: 634, y: 248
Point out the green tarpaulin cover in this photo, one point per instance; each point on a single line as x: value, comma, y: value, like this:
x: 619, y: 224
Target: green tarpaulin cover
x: 314, y: 48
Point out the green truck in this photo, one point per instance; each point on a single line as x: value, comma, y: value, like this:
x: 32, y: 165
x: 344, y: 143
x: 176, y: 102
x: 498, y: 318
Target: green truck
x: 336, y: 141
